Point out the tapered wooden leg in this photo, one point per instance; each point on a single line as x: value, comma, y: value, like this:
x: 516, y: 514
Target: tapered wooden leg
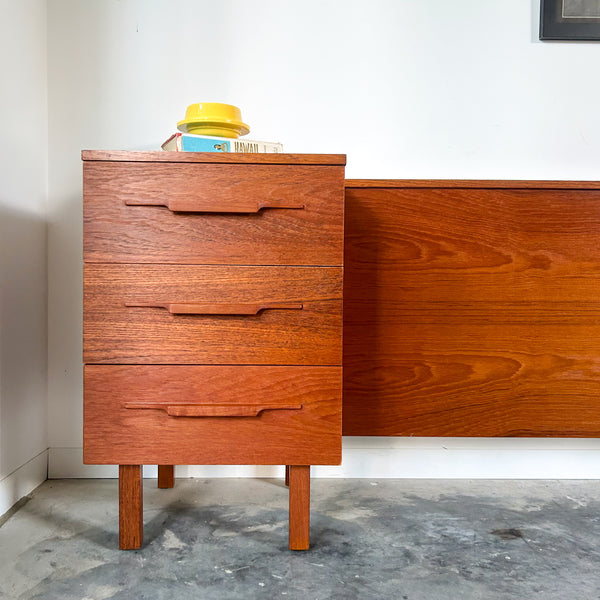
x: 299, y: 507
x: 287, y: 475
x: 166, y: 476
x: 131, y: 523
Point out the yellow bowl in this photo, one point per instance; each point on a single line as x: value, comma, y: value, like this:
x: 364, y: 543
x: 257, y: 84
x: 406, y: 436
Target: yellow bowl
x: 213, y: 118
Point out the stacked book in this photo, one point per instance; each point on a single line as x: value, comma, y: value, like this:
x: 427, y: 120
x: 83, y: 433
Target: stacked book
x: 187, y: 142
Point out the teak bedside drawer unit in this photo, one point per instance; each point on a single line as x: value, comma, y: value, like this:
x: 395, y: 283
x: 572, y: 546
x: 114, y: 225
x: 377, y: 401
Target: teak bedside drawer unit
x: 212, y: 317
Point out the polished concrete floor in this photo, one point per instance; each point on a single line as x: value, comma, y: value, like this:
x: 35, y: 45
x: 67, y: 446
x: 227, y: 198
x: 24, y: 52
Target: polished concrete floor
x: 386, y: 539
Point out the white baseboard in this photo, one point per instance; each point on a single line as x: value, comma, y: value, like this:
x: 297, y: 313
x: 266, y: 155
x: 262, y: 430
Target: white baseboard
x: 23, y: 481
x: 402, y: 458
x: 68, y: 463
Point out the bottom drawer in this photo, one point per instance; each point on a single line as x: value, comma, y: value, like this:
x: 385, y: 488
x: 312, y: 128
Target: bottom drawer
x: 181, y: 414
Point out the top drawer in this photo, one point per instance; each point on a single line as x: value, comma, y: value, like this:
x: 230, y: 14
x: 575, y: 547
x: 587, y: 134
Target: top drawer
x: 207, y: 213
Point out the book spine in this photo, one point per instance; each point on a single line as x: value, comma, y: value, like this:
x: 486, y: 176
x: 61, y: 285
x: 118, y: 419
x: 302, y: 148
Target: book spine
x: 251, y: 146
x: 189, y: 143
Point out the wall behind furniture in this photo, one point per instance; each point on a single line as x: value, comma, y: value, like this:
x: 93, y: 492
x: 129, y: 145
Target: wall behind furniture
x: 23, y: 195
x: 407, y: 89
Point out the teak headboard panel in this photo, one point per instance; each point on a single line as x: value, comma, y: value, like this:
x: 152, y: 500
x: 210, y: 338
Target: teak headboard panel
x: 472, y: 308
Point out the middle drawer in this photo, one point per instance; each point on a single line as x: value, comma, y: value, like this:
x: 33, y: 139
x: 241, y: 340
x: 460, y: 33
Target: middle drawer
x: 190, y: 314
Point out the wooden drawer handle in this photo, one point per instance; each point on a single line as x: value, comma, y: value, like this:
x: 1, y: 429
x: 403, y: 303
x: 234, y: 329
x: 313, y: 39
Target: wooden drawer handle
x: 212, y: 410
x: 212, y: 206
x: 205, y: 308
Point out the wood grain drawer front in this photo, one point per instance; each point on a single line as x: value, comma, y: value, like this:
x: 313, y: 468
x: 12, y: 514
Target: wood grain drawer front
x: 213, y: 213
x: 137, y: 415
x: 189, y: 314
x: 472, y: 312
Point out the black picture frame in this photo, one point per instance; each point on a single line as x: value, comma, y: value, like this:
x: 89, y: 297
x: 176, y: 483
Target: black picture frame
x: 555, y: 25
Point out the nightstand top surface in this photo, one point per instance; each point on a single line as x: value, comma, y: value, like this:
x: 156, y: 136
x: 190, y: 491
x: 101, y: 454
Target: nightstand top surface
x: 213, y: 157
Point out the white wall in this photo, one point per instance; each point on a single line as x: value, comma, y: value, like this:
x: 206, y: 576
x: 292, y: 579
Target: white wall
x: 406, y: 88
x: 23, y: 194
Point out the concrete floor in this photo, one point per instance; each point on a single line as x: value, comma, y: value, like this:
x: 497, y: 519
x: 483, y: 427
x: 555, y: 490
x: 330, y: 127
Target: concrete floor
x: 387, y: 539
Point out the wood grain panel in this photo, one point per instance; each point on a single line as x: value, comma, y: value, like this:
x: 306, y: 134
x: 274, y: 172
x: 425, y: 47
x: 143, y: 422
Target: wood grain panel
x: 114, y: 434
x: 472, y: 311
x: 485, y: 184
x: 311, y: 234
x: 250, y: 158
x: 117, y: 333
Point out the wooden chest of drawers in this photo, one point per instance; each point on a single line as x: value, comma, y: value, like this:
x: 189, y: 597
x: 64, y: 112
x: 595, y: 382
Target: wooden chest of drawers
x: 212, y: 317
